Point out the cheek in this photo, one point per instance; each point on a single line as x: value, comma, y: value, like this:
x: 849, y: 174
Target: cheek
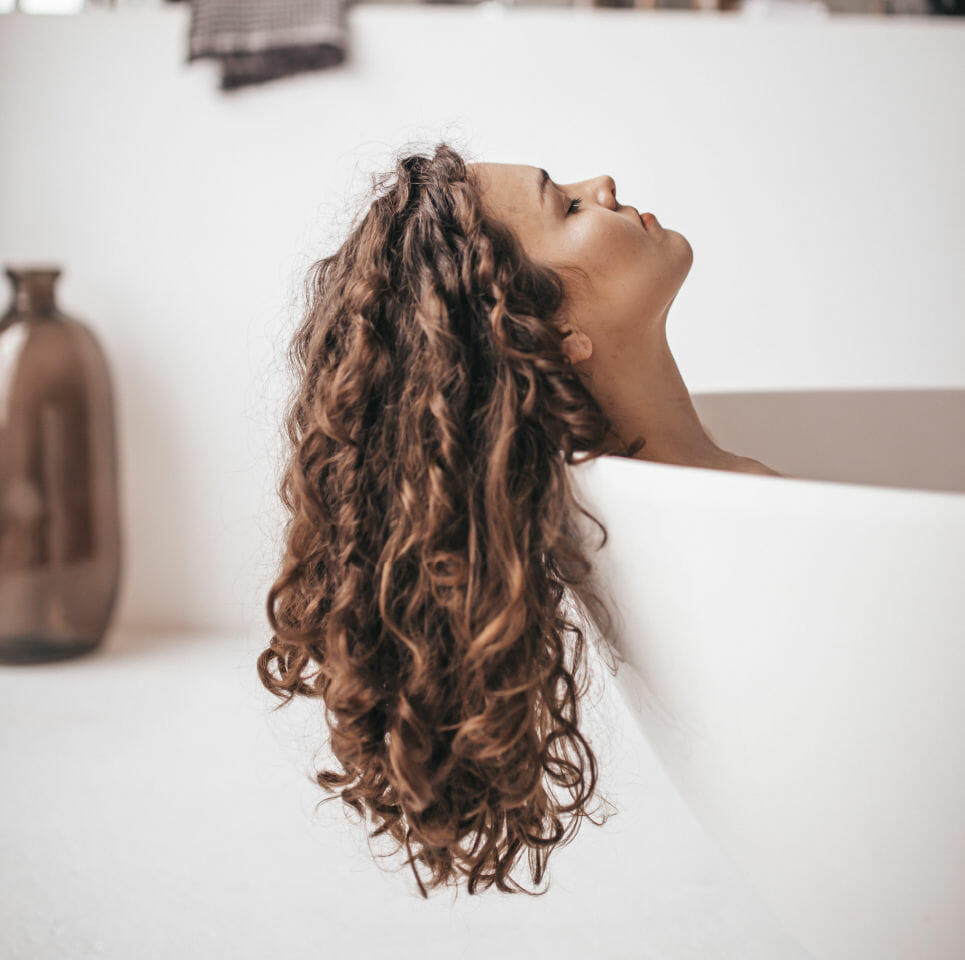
x: 625, y: 266
x: 609, y: 253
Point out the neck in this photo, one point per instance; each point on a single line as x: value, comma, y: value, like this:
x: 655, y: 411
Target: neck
x: 645, y: 396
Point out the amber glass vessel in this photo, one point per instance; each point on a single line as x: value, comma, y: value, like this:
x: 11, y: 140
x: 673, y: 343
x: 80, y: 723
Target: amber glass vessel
x: 60, y: 545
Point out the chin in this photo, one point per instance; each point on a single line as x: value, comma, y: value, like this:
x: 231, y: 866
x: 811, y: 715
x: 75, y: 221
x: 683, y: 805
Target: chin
x: 685, y: 261
x: 686, y: 250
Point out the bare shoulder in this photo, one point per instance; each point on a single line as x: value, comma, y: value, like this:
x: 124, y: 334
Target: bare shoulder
x: 749, y: 465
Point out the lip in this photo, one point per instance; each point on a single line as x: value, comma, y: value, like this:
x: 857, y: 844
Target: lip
x: 649, y: 221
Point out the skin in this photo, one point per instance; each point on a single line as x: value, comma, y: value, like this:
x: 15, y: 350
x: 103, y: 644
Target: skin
x: 618, y: 319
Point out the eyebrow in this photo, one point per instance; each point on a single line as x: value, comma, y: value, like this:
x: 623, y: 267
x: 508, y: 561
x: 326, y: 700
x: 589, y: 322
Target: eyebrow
x: 543, y: 180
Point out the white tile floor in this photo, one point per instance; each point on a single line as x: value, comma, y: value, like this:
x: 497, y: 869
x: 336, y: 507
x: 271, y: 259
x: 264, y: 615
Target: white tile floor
x: 153, y: 807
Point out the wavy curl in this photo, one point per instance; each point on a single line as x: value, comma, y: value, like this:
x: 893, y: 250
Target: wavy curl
x: 430, y: 541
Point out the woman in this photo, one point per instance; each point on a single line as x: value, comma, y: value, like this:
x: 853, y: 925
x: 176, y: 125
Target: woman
x: 479, y: 328
x: 633, y: 269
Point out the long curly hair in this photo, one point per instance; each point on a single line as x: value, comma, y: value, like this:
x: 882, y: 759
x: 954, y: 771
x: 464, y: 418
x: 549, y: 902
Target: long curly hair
x: 430, y: 547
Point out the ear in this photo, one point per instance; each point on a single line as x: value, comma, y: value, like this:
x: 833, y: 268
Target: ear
x: 577, y: 346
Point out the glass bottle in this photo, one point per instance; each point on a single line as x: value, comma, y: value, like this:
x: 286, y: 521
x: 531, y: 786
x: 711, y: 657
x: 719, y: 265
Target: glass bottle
x: 60, y: 545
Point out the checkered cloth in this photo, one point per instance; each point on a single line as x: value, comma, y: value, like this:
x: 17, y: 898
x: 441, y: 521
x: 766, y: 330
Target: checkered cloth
x: 258, y: 40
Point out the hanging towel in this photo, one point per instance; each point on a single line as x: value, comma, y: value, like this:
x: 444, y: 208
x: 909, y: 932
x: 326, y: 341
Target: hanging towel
x: 259, y: 40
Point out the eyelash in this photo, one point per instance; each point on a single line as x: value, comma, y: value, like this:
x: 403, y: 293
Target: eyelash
x: 574, y: 205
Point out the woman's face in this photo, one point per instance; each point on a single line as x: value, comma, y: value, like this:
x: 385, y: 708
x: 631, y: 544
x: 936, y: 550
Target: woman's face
x: 635, y: 270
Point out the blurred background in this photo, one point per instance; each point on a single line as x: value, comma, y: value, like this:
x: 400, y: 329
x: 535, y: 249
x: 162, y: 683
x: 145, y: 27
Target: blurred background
x: 811, y: 151
x: 873, y: 7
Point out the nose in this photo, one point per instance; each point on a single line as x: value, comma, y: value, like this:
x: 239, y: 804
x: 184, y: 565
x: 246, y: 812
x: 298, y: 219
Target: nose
x: 605, y: 191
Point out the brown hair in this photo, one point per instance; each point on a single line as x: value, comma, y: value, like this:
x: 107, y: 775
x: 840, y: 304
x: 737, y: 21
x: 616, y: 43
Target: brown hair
x: 430, y: 541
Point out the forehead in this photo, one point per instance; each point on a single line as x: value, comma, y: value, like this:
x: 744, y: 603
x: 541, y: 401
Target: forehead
x: 509, y: 187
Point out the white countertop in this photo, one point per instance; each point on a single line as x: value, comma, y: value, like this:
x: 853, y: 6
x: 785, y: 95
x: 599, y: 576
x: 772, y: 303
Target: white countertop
x: 153, y: 807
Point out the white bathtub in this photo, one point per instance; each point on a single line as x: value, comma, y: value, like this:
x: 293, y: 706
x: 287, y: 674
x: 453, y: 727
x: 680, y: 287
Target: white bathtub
x: 794, y: 650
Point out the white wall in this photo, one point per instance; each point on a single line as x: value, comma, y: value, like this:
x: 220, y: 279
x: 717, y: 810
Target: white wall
x: 816, y: 169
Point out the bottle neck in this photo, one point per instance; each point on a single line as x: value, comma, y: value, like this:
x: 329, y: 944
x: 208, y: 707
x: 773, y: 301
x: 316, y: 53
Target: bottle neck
x: 33, y: 289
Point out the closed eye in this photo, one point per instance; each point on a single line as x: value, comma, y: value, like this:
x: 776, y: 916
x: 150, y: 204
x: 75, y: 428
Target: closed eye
x: 574, y: 205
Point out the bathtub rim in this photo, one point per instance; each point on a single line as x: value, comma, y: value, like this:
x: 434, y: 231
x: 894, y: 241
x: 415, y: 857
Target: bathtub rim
x: 734, y: 480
